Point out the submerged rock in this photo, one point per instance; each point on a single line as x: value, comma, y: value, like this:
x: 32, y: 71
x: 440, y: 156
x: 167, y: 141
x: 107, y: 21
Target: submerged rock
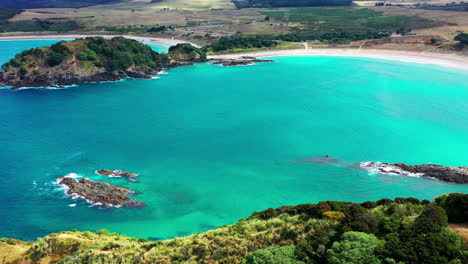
x: 443, y: 173
x: 244, y: 60
x: 118, y: 173
x: 98, y: 193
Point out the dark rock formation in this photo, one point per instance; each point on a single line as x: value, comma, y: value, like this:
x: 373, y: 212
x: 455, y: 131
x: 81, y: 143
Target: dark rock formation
x: 439, y: 172
x: 118, y: 173
x: 443, y: 173
x: 244, y: 60
x: 98, y: 193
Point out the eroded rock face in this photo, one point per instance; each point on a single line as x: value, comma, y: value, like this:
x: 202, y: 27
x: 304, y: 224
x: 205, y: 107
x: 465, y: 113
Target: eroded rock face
x: 443, y: 173
x: 244, y: 60
x: 98, y: 193
x: 118, y: 173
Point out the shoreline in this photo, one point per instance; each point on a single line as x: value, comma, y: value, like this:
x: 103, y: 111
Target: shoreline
x: 160, y: 41
x: 430, y: 58
x: 450, y: 60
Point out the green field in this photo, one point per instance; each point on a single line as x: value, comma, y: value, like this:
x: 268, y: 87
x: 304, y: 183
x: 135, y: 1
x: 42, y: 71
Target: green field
x: 345, y: 23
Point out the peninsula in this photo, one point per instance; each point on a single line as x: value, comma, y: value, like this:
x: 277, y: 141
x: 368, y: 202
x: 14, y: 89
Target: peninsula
x: 92, y: 59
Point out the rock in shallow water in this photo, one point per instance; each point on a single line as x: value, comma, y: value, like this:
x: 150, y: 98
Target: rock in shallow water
x: 118, y: 173
x: 443, y: 173
x: 244, y: 60
x: 99, y: 193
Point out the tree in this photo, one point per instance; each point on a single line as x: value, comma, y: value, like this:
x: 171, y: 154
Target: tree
x: 267, y: 18
x: 354, y: 247
x: 55, y: 59
x: 272, y: 255
x: 463, y: 38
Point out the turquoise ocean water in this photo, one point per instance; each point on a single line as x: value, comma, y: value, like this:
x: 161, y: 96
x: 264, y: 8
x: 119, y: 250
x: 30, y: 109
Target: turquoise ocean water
x: 212, y: 144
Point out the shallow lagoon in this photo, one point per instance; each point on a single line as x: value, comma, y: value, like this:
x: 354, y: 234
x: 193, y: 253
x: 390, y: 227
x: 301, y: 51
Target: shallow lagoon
x: 213, y: 144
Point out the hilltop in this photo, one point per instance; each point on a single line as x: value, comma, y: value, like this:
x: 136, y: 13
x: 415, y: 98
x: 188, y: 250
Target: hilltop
x: 92, y: 59
x: 403, y: 230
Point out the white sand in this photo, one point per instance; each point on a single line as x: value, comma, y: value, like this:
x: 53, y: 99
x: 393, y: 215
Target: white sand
x: 447, y: 60
x: 160, y: 41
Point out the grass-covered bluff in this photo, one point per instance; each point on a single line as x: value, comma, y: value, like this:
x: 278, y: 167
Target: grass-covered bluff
x: 92, y: 59
x: 403, y: 230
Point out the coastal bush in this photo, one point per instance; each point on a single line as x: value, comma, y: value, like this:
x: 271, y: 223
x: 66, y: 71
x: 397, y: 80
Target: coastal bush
x: 456, y: 206
x: 463, y: 38
x: 240, y: 42
x: 272, y: 255
x: 354, y: 247
x: 397, y: 233
x: 55, y: 59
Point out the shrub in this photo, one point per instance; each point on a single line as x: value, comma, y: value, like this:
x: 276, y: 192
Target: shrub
x: 272, y: 255
x: 110, y: 245
x: 55, y: 59
x: 23, y: 70
x: 463, y: 38
x: 354, y: 247
x: 455, y: 205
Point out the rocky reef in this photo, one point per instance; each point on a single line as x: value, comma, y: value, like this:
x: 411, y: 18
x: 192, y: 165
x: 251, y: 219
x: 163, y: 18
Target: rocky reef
x: 98, y: 193
x: 244, y: 60
x: 439, y: 172
x: 118, y: 173
x: 93, y: 59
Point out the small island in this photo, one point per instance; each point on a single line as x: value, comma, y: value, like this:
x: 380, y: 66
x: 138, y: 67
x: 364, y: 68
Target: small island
x: 92, y: 59
x: 98, y: 193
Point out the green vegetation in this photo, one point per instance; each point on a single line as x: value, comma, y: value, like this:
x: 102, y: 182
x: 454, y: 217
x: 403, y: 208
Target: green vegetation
x: 116, y: 54
x: 289, y: 3
x: 184, y: 52
x: 341, y: 24
x: 354, y: 247
x: 58, y: 25
x: 403, y: 230
x: 463, y: 38
x: 240, y: 42
x: 54, y: 3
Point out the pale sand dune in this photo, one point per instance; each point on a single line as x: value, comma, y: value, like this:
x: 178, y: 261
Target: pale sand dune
x: 446, y: 60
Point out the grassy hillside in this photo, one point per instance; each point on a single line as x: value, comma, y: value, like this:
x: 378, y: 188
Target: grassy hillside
x: 54, y: 3
x: 289, y: 3
x: 404, y: 230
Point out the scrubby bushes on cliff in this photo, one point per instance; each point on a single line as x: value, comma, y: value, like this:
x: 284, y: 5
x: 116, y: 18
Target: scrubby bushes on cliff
x: 389, y: 232
x: 456, y: 206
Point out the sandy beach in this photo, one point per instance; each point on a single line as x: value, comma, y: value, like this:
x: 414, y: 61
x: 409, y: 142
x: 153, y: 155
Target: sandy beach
x: 161, y: 41
x: 446, y: 60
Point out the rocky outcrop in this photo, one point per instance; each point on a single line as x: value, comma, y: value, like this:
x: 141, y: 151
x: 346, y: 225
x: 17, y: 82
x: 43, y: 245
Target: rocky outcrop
x: 60, y: 80
x: 98, y: 193
x: 118, y: 173
x: 244, y: 60
x: 439, y: 172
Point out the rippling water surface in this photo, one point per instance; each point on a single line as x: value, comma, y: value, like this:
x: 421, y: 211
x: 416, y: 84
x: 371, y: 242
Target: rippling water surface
x: 213, y: 144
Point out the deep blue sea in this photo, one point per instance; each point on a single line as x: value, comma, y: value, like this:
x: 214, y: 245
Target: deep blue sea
x: 213, y: 144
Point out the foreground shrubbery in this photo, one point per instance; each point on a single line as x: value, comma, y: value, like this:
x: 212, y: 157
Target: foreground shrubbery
x: 403, y: 230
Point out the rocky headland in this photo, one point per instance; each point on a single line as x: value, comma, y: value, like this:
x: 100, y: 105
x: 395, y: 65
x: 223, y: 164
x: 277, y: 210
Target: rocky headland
x: 98, y: 193
x: 92, y: 59
x: 243, y: 60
